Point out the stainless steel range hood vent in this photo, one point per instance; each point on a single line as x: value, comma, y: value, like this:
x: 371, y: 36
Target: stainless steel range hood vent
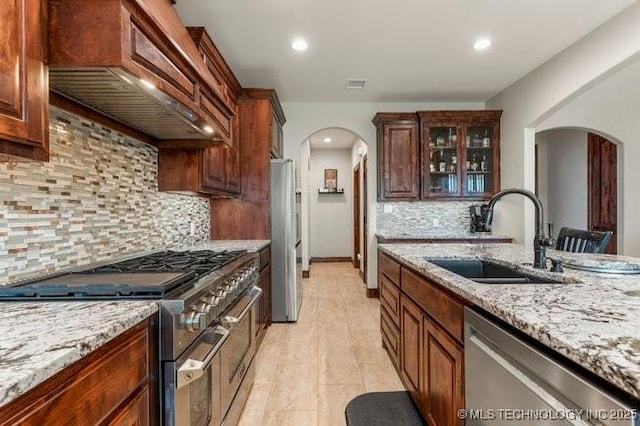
x: 114, y: 93
x: 134, y: 61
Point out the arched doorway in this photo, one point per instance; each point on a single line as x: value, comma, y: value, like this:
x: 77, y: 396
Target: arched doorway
x: 577, y: 175
x: 332, y: 201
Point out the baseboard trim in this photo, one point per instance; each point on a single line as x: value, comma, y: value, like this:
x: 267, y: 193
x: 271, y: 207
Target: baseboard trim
x: 373, y: 293
x: 330, y: 259
x: 305, y: 274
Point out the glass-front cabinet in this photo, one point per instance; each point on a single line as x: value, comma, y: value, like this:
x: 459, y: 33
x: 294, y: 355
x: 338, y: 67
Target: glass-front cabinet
x: 441, y: 171
x: 460, y: 154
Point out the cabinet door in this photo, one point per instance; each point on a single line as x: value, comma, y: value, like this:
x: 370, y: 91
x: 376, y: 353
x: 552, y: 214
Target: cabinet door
x: 440, y: 160
x: 213, y: 168
x: 136, y: 413
x: 482, y: 159
x: 443, y: 393
x: 232, y: 170
x: 411, y: 347
x: 263, y: 314
x: 24, y: 91
x: 399, y: 160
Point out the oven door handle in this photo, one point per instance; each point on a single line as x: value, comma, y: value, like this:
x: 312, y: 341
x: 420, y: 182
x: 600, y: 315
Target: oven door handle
x: 230, y: 321
x: 193, y: 369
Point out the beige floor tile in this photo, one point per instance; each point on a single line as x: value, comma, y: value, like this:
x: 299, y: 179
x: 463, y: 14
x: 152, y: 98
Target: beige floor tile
x: 380, y: 377
x: 290, y: 418
x: 306, y: 372
x: 295, y: 388
x: 367, y: 347
x: 333, y: 400
x: 256, y: 404
x: 339, y: 374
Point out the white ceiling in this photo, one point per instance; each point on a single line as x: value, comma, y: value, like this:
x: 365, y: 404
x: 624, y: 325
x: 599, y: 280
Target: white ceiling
x: 409, y: 50
x: 340, y: 139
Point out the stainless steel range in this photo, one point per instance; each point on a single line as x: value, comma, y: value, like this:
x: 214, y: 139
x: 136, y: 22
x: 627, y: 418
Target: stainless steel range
x: 207, y: 323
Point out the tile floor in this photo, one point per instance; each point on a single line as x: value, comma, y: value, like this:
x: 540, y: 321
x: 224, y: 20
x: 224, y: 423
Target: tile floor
x: 307, y: 372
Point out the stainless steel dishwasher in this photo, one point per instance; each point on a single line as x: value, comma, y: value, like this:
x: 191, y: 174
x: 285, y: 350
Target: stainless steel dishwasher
x: 509, y: 382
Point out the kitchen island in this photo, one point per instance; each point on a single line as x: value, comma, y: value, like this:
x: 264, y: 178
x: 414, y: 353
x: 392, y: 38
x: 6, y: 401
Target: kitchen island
x: 591, y: 319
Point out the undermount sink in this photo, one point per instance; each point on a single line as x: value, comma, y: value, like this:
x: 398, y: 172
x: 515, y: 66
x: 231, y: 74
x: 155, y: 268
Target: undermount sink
x: 486, y: 272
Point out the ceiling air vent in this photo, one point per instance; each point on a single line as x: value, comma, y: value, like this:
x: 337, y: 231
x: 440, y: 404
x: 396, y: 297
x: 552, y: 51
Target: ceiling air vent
x: 356, y: 83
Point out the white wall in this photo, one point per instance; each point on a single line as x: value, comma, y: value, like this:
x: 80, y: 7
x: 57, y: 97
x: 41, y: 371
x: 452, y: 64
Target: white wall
x: 543, y: 92
x: 305, y: 226
x: 304, y: 119
x: 612, y: 109
x: 564, y: 162
x: 331, y: 214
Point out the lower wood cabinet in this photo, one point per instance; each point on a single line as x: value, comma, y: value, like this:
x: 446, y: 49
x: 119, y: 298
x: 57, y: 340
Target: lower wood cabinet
x: 263, y: 314
x: 411, y: 364
x: 442, y: 379
x: 427, y: 346
x: 115, y: 385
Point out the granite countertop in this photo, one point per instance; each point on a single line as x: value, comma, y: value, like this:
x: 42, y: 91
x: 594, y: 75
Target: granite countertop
x: 591, y: 318
x: 439, y: 236
x: 40, y: 339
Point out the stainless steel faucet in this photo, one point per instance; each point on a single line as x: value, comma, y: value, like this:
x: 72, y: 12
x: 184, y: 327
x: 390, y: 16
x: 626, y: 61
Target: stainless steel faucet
x: 540, y: 242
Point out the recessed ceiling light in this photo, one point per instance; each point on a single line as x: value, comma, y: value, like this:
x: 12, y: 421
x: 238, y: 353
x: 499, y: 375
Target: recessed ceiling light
x: 327, y: 140
x: 146, y: 83
x: 208, y: 129
x: 299, y: 44
x: 482, y: 43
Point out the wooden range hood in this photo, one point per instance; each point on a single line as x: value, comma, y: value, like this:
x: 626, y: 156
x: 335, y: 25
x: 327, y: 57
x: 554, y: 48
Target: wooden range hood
x: 134, y: 60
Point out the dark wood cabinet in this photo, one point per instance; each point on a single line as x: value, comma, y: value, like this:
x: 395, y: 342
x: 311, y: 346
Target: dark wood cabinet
x: 263, y: 314
x: 460, y: 153
x: 411, y: 347
x: 450, y: 155
x: 398, y: 156
x: 442, y: 376
x: 426, y: 345
x: 261, y: 118
x: 214, y: 170
x: 116, y: 385
x: 24, y: 90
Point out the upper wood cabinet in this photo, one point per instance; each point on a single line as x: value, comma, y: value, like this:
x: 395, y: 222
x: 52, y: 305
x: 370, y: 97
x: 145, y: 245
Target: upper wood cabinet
x: 398, y: 156
x: 460, y: 154
x: 261, y: 119
x: 214, y: 171
x: 24, y: 99
x: 135, y: 61
x: 450, y: 155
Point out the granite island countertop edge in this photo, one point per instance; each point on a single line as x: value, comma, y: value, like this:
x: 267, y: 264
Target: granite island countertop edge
x: 588, y: 320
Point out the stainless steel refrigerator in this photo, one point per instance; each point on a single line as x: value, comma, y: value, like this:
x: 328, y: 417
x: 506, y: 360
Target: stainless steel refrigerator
x: 286, y: 254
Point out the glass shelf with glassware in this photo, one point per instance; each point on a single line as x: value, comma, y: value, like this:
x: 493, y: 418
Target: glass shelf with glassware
x: 460, y: 153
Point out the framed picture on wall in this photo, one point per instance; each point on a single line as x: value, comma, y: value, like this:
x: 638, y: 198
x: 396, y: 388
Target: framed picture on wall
x: 331, y: 178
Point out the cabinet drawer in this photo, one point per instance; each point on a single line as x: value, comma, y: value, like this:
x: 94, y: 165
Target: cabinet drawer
x: 390, y: 336
x: 146, y: 53
x: 436, y: 302
x: 88, y: 392
x: 390, y: 268
x: 221, y: 118
x: 390, y: 299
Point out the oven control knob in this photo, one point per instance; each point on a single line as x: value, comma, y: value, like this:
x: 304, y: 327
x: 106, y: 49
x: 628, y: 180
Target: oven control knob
x: 203, y: 306
x: 219, y: 292
x: 193, y: 321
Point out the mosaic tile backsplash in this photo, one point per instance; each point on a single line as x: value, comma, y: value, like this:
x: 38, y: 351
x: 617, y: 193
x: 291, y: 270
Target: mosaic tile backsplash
x: 96, y: 199
x: 416, y: 218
